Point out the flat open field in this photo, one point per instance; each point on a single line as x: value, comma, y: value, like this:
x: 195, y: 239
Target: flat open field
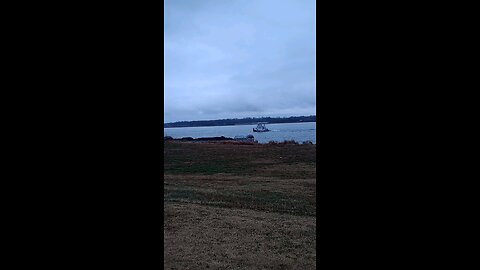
x: 239, y: 206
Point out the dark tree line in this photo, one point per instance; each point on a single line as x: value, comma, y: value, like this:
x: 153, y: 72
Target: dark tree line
x: 243, y: 121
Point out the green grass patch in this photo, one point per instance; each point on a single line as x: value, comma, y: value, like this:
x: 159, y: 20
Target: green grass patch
x: 255, y: 200
x: 198, y: 158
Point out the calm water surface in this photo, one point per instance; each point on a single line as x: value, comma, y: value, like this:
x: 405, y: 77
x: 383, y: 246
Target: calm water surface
x: 299, y: 132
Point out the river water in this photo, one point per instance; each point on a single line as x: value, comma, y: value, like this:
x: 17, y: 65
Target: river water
x: 299, y: 132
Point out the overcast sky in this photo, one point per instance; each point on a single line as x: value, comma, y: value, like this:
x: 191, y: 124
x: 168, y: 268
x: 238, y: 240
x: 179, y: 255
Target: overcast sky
x: 239, y: 58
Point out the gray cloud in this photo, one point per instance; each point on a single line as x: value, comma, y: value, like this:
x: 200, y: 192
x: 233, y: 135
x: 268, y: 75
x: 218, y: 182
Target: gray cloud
x: 239, y: 58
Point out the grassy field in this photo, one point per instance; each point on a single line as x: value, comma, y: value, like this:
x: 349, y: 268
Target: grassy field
x: 239, y: 206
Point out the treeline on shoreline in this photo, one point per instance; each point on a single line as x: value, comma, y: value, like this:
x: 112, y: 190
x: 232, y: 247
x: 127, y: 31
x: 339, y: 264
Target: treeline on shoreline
x: 243, y: 121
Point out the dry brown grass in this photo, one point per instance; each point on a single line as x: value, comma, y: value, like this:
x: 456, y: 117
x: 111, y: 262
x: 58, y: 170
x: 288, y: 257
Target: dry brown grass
x: 239, y: 206
x: 201, y: 237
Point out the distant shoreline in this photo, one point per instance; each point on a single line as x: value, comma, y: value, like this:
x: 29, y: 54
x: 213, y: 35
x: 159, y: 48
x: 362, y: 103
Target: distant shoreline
x: 242, y: 122
x: 246, y: 124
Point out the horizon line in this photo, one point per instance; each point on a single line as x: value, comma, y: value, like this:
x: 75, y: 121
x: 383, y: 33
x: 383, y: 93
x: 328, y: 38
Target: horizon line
x: 238, y: 118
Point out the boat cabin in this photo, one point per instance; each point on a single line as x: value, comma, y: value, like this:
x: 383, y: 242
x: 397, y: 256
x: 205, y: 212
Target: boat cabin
x: 261, y: 127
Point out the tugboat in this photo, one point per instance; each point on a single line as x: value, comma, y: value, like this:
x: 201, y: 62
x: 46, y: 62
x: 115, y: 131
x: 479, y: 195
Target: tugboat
x: 261, y: 128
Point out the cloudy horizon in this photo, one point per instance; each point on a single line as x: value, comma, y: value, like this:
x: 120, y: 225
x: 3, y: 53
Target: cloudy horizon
x: 236, y: 59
